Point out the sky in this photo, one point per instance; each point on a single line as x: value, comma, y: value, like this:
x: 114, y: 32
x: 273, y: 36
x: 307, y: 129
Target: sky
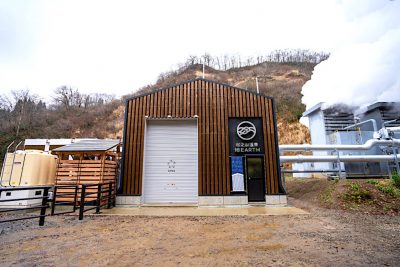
x: 364, y: 67
x: 116, y: 47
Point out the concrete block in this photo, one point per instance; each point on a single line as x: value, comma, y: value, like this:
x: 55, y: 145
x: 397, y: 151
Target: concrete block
x: 272, y: 200
x: 280, y: 200
x: 235, y: 200
x: 128, y: 200
x: 283, y: 199
x: 211, y: 200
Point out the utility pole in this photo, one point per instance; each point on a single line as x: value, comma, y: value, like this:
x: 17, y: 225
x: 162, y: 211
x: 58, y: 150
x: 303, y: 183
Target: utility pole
x: 258, y: 90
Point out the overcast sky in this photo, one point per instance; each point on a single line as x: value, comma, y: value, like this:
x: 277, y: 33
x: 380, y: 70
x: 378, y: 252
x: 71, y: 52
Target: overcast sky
x: 118, y: 46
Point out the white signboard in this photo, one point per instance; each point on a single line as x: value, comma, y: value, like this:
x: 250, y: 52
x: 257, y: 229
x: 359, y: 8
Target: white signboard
x: 237, y: 182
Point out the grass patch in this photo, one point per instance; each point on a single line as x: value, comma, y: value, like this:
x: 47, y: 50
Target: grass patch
x: 374, y: 182
x: 389, y: 187
x: 327, y: 195
x: 357, y: 194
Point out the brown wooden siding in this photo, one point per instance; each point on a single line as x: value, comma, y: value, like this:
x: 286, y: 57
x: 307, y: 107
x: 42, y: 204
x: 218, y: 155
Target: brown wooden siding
x: 214, y: 103
x: 81, y: 171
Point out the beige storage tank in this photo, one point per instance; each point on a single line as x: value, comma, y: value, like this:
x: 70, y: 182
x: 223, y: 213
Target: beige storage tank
x: 28, y: 168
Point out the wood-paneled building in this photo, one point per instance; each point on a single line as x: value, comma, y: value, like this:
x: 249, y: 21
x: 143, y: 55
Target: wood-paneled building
x: 200, y: 142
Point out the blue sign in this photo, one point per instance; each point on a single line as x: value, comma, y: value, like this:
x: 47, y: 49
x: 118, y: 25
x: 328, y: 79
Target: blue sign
x: 237, y: 165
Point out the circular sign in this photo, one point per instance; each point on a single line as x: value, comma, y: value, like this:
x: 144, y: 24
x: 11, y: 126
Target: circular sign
x: 246, y: 130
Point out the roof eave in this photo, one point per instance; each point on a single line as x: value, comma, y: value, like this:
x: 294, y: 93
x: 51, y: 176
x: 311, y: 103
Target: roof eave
x: 193, y: 80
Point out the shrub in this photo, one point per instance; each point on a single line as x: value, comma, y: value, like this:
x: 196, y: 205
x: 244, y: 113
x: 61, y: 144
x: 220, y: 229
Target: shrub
x: 374, y: 182
x: 388, y: 187
x: 357, y: 194
x: 396, y: 179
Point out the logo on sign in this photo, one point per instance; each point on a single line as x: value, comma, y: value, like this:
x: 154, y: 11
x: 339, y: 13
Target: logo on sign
x: 171, y: 165
x: 246, y: 130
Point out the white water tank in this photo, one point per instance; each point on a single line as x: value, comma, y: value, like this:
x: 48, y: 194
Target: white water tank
x: 28, y: 168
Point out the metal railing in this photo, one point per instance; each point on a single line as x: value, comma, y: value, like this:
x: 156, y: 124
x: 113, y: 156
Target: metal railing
x: 56, y: 195
x: 43, y: 206
x: 86, y: 196
x: 101, y: 199
x: 4, y: 163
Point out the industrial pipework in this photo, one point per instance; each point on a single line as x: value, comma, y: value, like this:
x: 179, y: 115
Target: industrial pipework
x: 393, y: 143
x: 367, y: 146
x: 341, y: 158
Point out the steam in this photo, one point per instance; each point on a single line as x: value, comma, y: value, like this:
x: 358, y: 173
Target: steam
x: 365, y: 68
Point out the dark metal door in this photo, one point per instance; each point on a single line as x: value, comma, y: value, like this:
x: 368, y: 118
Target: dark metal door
x: 255, y: 178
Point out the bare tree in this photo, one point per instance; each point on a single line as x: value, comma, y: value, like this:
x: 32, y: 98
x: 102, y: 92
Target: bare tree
x: 207, y: 59
x: 21, y: 98
x: 192, y: 59
x: 22, y: 109
x: 68, y: 97
x: 6, y: 103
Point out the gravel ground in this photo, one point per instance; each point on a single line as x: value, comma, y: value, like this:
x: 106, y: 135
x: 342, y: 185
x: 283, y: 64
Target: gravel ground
x: 323, y: 238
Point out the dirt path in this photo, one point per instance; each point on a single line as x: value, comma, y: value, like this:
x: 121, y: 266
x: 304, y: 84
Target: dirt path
x: 323, y: 238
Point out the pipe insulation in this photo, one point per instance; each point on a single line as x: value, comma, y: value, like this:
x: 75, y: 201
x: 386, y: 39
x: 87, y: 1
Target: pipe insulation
x: 367, y: 146
x: 341, y: 158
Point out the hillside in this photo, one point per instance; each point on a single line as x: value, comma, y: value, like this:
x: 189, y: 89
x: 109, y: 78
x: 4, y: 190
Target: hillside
x: 74, y: 115
x: 282, y: 81
x: 372, y: 196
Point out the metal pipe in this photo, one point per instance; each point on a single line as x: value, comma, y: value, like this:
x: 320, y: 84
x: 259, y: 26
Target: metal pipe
x: 388, y: 122
x: 343, y: 158
x: 310, y: 171
x: 12, y: 164
x: 367, y: 146
x: 363, y: 122
x: 4, y: 163
x: 396, y: 160
x: 394, y: 129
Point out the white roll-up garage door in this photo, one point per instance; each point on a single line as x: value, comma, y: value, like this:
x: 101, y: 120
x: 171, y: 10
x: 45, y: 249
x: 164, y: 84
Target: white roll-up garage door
x: 170, y: 159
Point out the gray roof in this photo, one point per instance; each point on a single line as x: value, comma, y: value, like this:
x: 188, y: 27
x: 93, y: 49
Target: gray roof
x: 379, y: 105
x: 361, y: 110
x: 312, y: 109
x: 89, y: 145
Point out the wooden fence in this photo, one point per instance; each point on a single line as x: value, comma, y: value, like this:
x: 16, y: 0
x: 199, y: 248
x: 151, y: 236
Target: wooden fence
x: 78, y: 172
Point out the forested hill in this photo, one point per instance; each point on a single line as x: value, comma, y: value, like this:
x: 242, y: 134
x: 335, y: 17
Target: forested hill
x: 280, y: 74
x: 72, y: 114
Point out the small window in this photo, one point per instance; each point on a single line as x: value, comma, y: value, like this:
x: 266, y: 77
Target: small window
x: 38, y: 193
x: 8, y: 194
